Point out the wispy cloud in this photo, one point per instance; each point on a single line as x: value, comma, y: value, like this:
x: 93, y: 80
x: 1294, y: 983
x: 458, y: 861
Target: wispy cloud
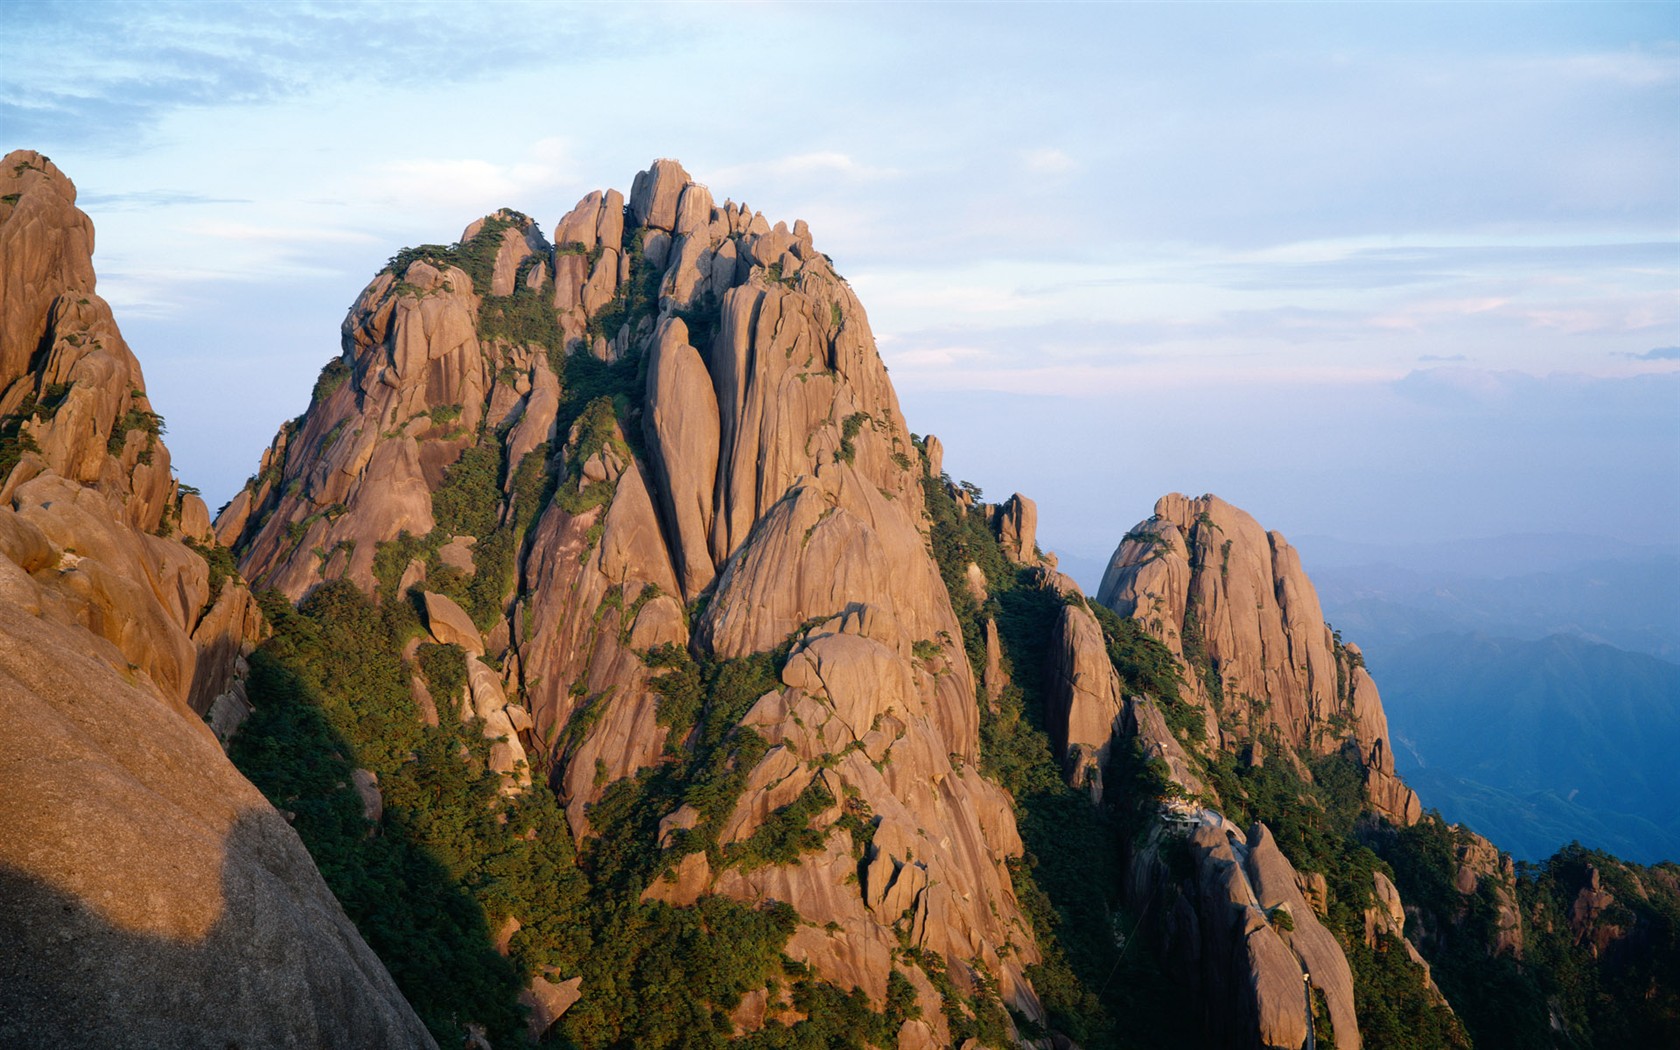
x: 1291, y: 199
x: 1094, y: 358
x: 817, y: 164
x: 1630, y: 68
x: 84, y: 72
x: 829, y: 162
x: 1048, y: 161
x: 239, y: 231
x: 144, y: 199
x: 470, y: 185
x: 1560, y: 396
x: 1365, y: 263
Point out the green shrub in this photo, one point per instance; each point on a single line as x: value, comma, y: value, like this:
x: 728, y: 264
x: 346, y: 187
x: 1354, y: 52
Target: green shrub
x: 445, y: 668
x: 637, y: 296
x: 14, y: 440
x: 330, y: 694
x: 333, y: 375
x: 849, y: 428
x: 785, y: 834
x: 468, y: 500
x: 220, y: 562
x: 135, y: 418
x: 438, y: 255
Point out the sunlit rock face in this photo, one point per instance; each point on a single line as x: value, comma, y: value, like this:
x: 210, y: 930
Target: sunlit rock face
x: 149, y: 896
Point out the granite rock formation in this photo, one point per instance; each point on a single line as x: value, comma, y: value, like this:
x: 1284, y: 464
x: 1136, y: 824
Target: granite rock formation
x: 1231, y: 602
x: 1260, y: 678
x: 744, y: 483
x: 627, y: 561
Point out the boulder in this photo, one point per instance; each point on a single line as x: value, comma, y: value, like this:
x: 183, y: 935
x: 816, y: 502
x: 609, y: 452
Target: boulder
x: 449, y: 624
x: 934, y: 449
x: 654, y: 195
x: 366, y: 782
x: 548, y: 1002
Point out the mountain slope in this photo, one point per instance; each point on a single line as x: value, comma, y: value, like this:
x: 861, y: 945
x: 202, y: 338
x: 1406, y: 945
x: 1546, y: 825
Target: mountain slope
x: 636, y: 679
x: 1629, y: 603
x: 1584, y: 951
x: 1268, y: 753
x: 149, y: 896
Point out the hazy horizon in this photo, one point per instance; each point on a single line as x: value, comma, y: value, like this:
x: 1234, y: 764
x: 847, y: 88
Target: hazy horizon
x: 1375, y: 273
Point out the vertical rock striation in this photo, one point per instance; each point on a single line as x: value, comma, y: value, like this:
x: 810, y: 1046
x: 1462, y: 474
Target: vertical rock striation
x: 730, y: 475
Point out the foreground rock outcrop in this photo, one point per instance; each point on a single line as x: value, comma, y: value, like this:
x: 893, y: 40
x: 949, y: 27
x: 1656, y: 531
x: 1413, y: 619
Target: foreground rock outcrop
x: 149, y: 896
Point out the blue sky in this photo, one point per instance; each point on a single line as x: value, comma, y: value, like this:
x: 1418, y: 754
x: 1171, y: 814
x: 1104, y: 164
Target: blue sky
x: 1376, y: 271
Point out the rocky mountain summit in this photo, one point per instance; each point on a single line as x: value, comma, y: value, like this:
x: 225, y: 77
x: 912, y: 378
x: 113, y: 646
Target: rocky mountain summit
x: 1256, y: 676
x: 634, y: 677
x: 149, y: 895
x: 1268, y: 695
x: 668, y: 438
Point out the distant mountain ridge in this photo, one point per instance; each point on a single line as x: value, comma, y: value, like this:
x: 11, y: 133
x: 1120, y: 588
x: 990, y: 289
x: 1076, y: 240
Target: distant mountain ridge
x: 1512, y: 554
x: 1618, y: 593
x: 1535, y: 743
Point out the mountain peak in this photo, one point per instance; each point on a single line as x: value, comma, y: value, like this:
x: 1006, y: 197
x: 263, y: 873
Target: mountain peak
x: 1232, y: 603
x: 668, y: 431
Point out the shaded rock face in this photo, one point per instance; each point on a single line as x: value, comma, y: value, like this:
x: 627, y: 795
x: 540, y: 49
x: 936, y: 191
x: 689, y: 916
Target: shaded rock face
x: 1587, y: 915
x: 1245, y: 937
x: 754, y: 486
x: 1144, y: 722
x: 1480, y: 863
x: 1228, y: 597
x: 149, y: 896
x: 1607, y: 913
x: 1084, y: 712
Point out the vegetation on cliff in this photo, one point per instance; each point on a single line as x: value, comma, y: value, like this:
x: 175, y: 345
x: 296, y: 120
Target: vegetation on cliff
x: 1099, y: 981
x: 432, y: 883
x: 1599, y: 956
x: 468, y: 891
